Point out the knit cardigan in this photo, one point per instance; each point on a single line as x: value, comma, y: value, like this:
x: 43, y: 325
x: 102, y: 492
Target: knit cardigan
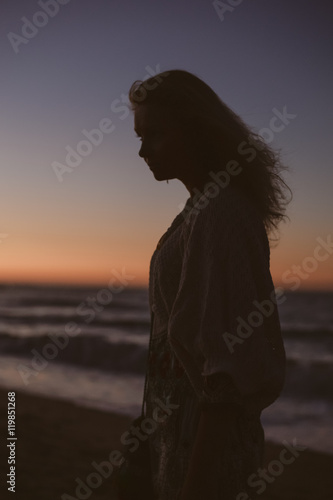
x: 211, y: 290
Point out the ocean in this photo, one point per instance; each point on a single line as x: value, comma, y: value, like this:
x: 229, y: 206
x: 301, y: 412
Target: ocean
x: 87, y: 345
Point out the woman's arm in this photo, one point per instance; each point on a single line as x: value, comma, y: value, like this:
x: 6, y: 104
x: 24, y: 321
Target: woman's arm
x: 202, y: 476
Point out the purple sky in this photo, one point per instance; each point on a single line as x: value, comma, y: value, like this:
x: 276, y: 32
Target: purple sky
x: 70, y: 74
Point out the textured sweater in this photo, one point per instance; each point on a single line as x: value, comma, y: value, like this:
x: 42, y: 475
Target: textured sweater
x: 215, y: 340
x: 212, y: 291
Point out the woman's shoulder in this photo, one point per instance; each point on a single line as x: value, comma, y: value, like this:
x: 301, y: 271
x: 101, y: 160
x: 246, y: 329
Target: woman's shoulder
x: 223, y: 207
x: 224, y: 221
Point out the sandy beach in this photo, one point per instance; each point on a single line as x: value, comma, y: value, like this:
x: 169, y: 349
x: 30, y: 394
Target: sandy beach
x: 58, y: 442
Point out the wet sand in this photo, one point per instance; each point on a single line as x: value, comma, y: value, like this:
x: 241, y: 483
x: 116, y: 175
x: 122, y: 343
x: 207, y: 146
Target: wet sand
x: 58, y: 441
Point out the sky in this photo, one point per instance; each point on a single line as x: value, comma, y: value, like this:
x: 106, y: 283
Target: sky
x: 66, y: 68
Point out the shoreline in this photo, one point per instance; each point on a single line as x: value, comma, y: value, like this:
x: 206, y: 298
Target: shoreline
x: 58, y: 442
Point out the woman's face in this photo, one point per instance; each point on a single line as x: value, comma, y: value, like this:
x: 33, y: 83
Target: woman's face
x: 164, y: 146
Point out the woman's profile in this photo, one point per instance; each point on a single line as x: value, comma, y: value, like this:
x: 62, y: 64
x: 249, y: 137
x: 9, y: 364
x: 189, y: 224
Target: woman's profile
x: 216, y: 356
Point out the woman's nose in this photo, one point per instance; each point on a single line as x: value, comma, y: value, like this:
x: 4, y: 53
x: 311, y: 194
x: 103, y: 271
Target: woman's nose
x: 142, y: 151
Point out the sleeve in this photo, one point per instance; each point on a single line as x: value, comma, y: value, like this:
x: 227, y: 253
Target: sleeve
x: 224, y: 325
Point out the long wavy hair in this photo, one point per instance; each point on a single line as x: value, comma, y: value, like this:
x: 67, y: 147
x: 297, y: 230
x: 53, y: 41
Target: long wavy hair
x: 219, y: 135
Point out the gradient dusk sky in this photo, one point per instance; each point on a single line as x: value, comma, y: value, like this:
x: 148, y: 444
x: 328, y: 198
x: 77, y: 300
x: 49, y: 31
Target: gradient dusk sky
x: 73, y: 71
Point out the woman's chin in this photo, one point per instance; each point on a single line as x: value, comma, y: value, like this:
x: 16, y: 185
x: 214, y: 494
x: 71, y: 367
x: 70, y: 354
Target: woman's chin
x: 159, y: 176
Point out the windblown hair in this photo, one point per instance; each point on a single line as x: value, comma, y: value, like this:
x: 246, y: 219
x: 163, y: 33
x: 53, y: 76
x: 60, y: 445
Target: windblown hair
x: 219, y: 135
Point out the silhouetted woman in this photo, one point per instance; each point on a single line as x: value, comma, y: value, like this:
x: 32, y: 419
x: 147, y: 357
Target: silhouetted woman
x: 216, y: 354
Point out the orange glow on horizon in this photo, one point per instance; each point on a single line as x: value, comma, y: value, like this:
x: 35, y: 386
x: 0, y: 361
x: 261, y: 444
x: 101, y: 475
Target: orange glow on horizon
x: 85, y: 262
x: 72, y: 278
x: 137, y: 277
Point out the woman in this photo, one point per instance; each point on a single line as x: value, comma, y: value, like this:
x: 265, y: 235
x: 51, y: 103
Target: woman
x: 216, y: 354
